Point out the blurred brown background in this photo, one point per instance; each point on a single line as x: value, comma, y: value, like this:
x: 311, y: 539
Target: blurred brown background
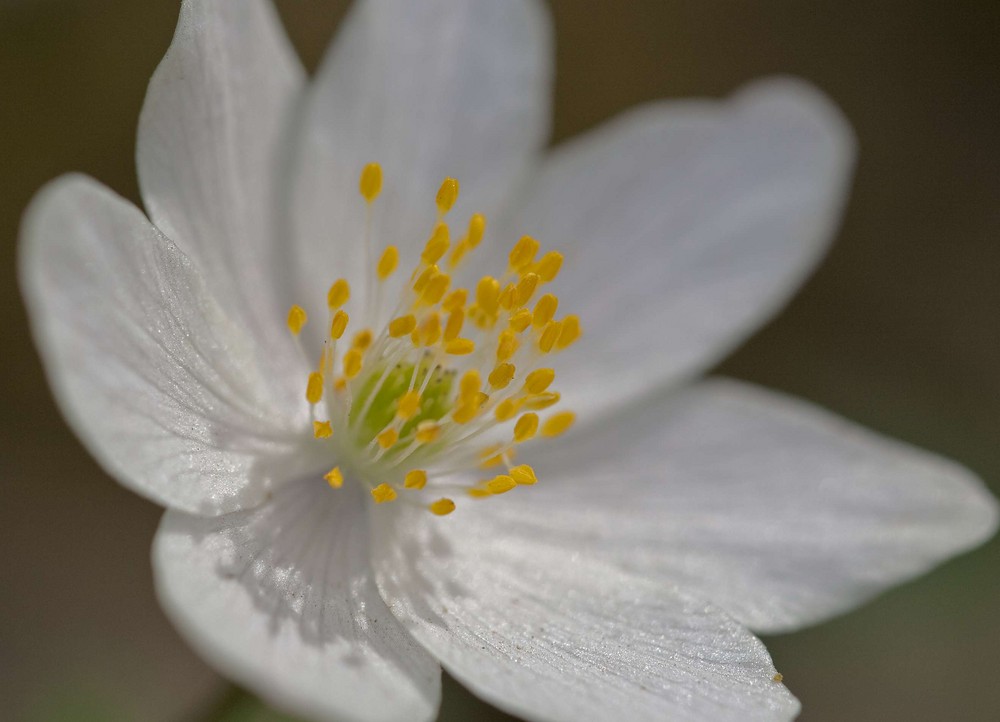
x: 899, y: 329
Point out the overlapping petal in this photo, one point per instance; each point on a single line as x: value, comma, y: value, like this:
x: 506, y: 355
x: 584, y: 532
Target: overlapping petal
x: 776, y: 511
x: 428, y: 89
x: 552, y: 633
x: 282, y: 600
x: 210, y: 138
x: 685, y: 225
x: 167, y: 393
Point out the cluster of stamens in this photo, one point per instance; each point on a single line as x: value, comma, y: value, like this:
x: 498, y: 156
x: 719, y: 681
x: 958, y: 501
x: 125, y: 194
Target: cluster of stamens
x: 421, y: 401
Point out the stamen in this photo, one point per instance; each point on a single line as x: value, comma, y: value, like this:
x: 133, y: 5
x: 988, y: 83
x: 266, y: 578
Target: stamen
x: 334, y: 477
x: 296, y: 319
x: 370, y: 183
x: 558, y: 423
x: 447, y: 195
x: 388, y: 262
x: 322, y: 429
x: 383, y: 493
x: 442, y: 507
x: 338, y: 295
x: 314, y: 389
x: 415, y: 479
x: 525, y: 427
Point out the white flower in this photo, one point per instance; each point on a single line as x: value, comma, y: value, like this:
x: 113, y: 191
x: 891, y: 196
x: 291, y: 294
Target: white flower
x: 666, y: 524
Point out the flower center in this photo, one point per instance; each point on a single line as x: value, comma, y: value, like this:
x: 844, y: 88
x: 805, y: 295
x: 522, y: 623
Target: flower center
x: 452, y: 381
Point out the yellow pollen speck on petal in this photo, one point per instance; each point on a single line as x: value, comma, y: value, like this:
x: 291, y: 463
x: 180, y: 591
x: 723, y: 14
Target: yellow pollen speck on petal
x: 362, y: 339
x: 322, y: 429
x: 383, y: 493
x: 437, y: 244
x: 541, y: 401
x: 500, y: 484
x: 548, y: 268
x: 778, y: 677
x: 523, y: 474
x: 415, y: 479
x: 549, y: 336
x: 460, y: 346
x: 339, y: 294
x: 523, y: 253
x: 501, y: 376
x: 427, y: 432
x: 296, y: 319
x: 334, y: 477
x: 526, y: 288
x: 387, y: 263
x: 338, y: 324
x: 442, y: 507
x: 539, y: 380
x: 569, y: 333
x: 352, y: 363
x: 409, y: 405
x: 370, y: 183
x: 314, y: 388
x: 545, y: 310
x: 399, y: 327
x: 526, y: 427
x: 506, y: 410
x: 456, y: 319
x: 477, y: 227
x: 558, y: 423
x: 455, y: 300
x: 388, y: 438
x: 447, y: 195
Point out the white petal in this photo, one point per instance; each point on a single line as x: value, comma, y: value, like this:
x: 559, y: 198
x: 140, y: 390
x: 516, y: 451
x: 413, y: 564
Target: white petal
x: 778, y: 512
x: 684, y: 226
x: 281, y: 599
x: 210, y: 135
x: 428, y: 89
x: 163, y: 388
x: 550, y: 634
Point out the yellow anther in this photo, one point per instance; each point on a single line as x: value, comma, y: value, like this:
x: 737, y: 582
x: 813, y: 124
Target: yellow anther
x: 507, y: 410
x: 477, y: 227
x: 487, y: 294
x: 458, y: 253
x: 523, y: 475
x: 491, y: 456
x: 507, y: 344
x: 478, y: 493
x: 322, y: 429
x: 549, y: 336
x: 460, y: 346
x: 442, y: 507
x: 469, y: 385
x: 456, y: 319
x: 523, y: 253
x: 437, y: 244
x: 428, y: 431
x: 538, y: 380
x: 338, y: 324
x: 526, y: 288
x: 500, y: 484
x: 548, y: 268
x: 430, y: 329
x: 340, y: 384
x: 435, y: 289
x: 352, y: 363
x: 338, y: 294
x: 520, y: 320
x: 447, y: 195
x: 314, y: 388
x: 526, y: 427
x: 362, y: 339
x: 383, y: 493
x: 425, y: 275
x: 455, y: 300
x: 465, y: 412
x: 541, y: 401
x: 334, y: 477
x: 479, y: 317
x: 387, y: 263
x: 399, y: 327
x: 570, y: 332
x: 415, y: 479
x: 558, y: 423
x: 408, y: 405
x: 545, y: 309
x: 370, y: 183
x: 388, y: 438
x: 501, y: 376
x: 508, y: 297
x: 296, y: 319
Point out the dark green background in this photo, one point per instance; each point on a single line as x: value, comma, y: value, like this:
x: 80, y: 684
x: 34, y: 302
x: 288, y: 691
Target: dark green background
x: 899, y: 329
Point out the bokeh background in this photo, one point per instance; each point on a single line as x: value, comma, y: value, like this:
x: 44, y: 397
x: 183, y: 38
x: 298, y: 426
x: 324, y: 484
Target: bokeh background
x: 899, y: 329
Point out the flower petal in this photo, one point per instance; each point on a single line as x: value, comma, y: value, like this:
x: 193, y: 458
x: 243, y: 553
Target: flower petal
x: 153, y: 376
x: 684, y: 226
x: 553, y: 634
x: 281, y: 599
x: 428, y: 89
x: 778, y: 512
x: 212, y: 125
